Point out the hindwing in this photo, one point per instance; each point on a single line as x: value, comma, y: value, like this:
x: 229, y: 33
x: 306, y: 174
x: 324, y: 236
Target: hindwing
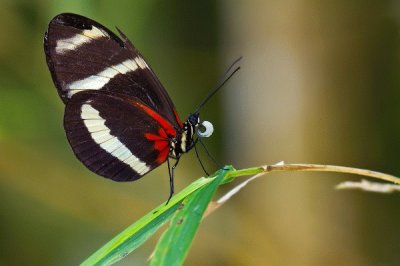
x: 115, y: 136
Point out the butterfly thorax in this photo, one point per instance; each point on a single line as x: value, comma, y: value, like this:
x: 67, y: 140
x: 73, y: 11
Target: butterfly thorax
x: 184, y: 141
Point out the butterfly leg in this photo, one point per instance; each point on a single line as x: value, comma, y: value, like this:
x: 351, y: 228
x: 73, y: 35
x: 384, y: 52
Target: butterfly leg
x: 209, y: 155
x: 198, y: 158
x: 171, y: 178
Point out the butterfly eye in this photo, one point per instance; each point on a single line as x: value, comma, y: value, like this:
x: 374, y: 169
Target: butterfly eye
x: 205, y: 129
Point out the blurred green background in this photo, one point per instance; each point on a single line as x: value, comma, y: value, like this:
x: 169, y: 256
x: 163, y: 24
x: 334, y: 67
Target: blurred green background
x: 319, y: 84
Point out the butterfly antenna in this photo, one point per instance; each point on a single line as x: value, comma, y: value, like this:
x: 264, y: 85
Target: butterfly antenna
x: 225, y: 77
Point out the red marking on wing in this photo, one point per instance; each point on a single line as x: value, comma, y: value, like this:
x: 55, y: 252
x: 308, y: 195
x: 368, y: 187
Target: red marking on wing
x: 169, y: 129
x: 161, y: 144
x: 162, y: 156
x: 153, y: 137
x: 162, y: 133
x: 161, y: 141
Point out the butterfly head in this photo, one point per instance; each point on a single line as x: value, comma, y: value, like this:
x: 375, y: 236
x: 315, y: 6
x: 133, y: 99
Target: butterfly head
x: 204, y: 129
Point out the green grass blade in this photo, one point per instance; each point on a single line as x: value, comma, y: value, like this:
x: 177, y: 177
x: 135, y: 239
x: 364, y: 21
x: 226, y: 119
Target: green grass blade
x: 137, y: 233
x: 174, y: 244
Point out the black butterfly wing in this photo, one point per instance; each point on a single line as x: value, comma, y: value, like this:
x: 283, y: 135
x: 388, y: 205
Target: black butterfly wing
x: 84, y: 55
x: 118, y: 138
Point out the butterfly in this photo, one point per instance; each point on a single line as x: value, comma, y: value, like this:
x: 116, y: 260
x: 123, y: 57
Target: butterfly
x: 119, y: 120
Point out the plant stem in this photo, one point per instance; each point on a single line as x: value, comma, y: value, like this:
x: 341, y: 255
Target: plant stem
x: 330, y: 168
x: 280, y: 167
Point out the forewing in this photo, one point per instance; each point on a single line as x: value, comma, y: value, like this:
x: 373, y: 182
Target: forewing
x: 115, y: 137
x: 84, y: 55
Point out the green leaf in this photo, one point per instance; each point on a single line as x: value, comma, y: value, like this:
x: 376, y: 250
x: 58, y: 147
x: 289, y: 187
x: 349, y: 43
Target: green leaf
x: 174, y: 244
x: 137, y: 233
